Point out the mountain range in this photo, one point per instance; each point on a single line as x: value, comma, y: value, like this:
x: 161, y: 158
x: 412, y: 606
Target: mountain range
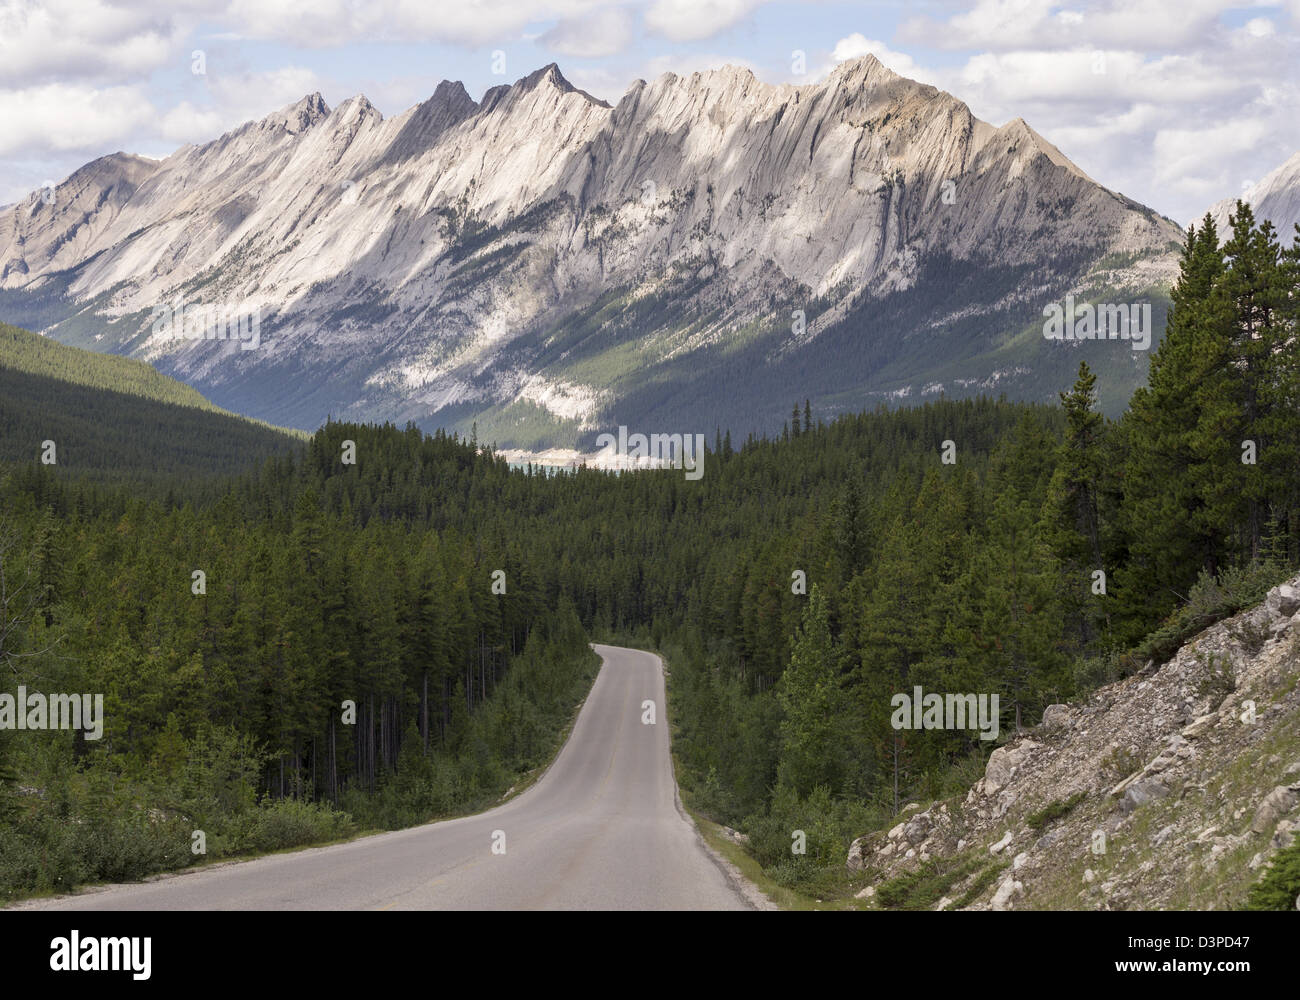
x: 542, y: 266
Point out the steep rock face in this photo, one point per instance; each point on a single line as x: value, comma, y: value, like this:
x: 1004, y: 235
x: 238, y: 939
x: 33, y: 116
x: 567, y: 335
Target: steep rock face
x: 547, y: 264
x: 55, y: 228
x: 1275, y: 197
x: 1170, y: 789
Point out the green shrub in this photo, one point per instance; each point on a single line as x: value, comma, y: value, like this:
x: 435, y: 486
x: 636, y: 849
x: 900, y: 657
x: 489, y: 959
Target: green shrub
x: 1209, y: 601
x: 1054, y: 811
x: 295, y: 822
x: 125, y: 848
x: 922, y: 888
x: 1279, y: 887
x: 982, y: 881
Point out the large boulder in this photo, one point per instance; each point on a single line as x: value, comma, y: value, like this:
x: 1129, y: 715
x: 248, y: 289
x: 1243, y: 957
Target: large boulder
x: 1285, y: 834
x: 1007, y: 892
x: 1139, y: 793
x: 1283, y: 601
x: 917, y: 830
x: 1003, y: 764
x: 1277, y: 803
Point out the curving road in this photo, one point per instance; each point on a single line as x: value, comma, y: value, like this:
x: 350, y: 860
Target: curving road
x: 602, y: 829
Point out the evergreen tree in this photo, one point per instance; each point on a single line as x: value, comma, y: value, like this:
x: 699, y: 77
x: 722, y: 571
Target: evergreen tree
x: 809, y: 694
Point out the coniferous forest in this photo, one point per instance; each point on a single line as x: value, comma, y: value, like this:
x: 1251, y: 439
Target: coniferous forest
x: 234, y: 617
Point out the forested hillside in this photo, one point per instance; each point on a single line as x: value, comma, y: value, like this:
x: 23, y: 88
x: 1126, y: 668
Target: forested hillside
x: 112, y: 420
x: 795, y: 588
x: 23, y: 351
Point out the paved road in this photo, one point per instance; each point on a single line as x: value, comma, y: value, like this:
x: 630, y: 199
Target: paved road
x: 600, y: 830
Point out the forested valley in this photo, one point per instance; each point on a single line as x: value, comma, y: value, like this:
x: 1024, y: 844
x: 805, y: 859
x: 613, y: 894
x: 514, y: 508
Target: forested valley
x: 793, y: 589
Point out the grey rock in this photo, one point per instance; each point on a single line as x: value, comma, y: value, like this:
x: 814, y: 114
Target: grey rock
x: 1003, y: 764
x: 1139, y: 793
x: 1282, y: 601
x: 1006, y: 894
x: 1280, y: 801
x: 1284, y: 834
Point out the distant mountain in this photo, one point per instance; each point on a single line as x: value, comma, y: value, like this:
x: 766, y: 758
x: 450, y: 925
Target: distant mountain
x: 546, y: 266
x: 1276, y: 197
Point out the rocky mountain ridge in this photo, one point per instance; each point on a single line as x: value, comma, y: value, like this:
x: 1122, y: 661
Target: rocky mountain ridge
x: 547, y: 265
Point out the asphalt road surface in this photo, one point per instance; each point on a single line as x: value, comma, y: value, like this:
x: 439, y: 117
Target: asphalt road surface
x: 601, y: 830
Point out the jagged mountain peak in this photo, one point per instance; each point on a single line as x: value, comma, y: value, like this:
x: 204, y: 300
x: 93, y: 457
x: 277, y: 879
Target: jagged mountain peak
x: 450, y: 93
x: 728, y: 73
x: 355, y: 109
x: 866, y: 69
x: 117, y: 164
x: 291, y: 120
x: 456, y: 258
x: 547, y: 78
x: 1018, y: 130
x: 422, y: 125
x: 299, y: 116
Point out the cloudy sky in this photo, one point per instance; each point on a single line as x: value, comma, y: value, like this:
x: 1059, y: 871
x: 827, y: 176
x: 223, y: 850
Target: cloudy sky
x: 1176, y: 103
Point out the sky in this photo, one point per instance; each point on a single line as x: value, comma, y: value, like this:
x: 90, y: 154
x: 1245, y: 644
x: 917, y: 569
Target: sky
x: 1175, y: 103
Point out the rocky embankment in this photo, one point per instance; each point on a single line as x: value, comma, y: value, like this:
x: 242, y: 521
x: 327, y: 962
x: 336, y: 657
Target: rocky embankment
x: 1170, y: 789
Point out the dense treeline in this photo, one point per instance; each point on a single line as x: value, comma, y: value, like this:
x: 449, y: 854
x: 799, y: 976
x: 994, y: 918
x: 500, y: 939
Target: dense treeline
x: 114, y: 422
x: 347, y: 673
x: 970, y: 546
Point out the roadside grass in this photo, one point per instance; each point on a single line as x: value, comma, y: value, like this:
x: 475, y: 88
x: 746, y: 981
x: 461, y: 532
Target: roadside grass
x: 783, y: 896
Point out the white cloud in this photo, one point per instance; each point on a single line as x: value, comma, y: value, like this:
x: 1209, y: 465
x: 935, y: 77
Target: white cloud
x: 1190, y: 162
x: 63, y: 40
x: 692, y: 20
x: 1259, y: 27
x: 323, y: 23
x: 254, y: 95
x: 185, y: 123
x: 1000, y: 25
x: 600, y: 33
x: 62, y: 118
x: 236, y: 98
x: 600, y: 81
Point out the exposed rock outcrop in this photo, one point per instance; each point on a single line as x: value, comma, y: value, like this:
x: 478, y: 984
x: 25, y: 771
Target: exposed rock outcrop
x: 1169, y: 789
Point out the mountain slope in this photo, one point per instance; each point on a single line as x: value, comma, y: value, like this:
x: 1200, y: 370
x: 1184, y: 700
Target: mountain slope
x: 115, y: 420
x: 24, y: 351
x: 1275, y: 197
x: 548, y: 265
